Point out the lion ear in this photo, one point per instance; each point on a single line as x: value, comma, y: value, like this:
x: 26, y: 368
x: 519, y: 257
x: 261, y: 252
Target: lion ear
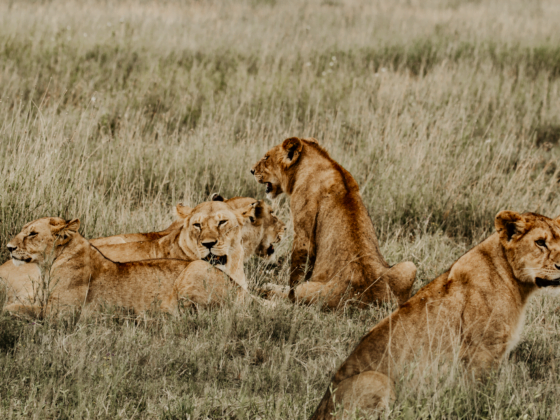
x: 247, y: 213
x: 292, y: 147
x: 510, y: 225
x: 182, y: 212
x: 259, y: 209
x: 65, y: 230
x: 216, y: 197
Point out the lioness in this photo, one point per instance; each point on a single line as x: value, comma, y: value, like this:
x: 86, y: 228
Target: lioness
x: 81, y: 275
x: 475, y: 308
x: 210, y: 232
x: 259, y: 236
x: 335, y: 246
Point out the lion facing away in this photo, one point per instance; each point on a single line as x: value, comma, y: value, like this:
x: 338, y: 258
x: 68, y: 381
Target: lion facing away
x: 474, y: 310
x: 80, y: 274
x: 259, y: 235
x: 335, y: 255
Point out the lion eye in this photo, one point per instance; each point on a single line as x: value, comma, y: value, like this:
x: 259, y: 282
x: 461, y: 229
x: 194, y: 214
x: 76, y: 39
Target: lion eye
x: 196, y: 225
x: 222, y: 222
x: 541, y: 242
x: 32, y: 234
x: 265, y: 158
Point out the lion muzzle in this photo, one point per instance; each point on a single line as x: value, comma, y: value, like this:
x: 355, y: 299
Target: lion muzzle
x: 546, y: 283
x: 215, y: 259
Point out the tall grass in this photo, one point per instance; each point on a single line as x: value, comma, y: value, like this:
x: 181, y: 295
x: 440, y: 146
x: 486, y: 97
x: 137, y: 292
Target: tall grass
x: 444, y: 111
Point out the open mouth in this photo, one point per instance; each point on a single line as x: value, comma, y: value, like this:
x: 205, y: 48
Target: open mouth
x: 215, y: 259
x: 545, y: 283
x: 25, y: 260
x: 270, y: 250
x: 268, y: 187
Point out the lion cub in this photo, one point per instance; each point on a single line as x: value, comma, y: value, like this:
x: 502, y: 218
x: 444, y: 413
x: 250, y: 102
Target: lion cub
x: 475, y: 309
x: 335, y: 255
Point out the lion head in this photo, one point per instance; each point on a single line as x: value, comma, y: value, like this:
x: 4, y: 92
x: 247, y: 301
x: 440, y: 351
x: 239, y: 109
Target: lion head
x: 41, y: 239
x: 532, y: 246
x: 273, y: 169
x: 212, y: 231
x: 262, y: 231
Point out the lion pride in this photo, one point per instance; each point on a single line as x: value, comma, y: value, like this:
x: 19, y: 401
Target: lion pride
x: 335, y: 255
x: 83, y: 275
x: 474, y: 310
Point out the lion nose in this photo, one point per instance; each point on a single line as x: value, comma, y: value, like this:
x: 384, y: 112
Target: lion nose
x: 11, y: 248
x: 209, y: 245
x: 252, y: 172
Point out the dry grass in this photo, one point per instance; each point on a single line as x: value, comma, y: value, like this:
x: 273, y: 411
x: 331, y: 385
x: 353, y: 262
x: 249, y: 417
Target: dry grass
x: 445, y: 112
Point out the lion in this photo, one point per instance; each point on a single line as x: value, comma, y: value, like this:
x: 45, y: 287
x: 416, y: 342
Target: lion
x: 79, y: 274
x: 473, y: 311
x: 260, y: 232
x: 259, y: 236
x: 335, y: 255
x: 220, y: 242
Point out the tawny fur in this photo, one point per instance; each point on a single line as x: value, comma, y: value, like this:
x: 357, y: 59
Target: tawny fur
x: 474, y: 310
x: 83, y: 277
x: 258, y: 235
x: 218, y: 222
x: 335, y: 255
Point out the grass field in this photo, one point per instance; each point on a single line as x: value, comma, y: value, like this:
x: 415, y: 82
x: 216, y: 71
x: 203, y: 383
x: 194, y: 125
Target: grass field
x: 444, y: 111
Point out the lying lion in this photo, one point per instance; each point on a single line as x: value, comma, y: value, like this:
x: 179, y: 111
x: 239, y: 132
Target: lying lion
x: 259, y: 236
x: 218, y: 243
x: 81, y: 274
x: 335, y: 254
x: 475, y: 309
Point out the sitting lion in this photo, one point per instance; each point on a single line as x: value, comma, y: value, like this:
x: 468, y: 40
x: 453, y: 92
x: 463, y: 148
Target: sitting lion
x: 259, y: 236
x: 80, y: 274
x: 260, y: 232
x: 476, y: 309
x: 335, y: 247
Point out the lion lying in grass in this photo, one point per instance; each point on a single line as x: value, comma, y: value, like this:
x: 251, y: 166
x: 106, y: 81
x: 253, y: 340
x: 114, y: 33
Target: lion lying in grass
x: 475, y: 308
x: 209, y: 232
x: 261, y: 230
x: 259, y: 236
x: 82, y: 275
x: 335, y: 255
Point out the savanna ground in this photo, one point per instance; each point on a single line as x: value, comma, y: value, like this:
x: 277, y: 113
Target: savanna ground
x: 444, y: 111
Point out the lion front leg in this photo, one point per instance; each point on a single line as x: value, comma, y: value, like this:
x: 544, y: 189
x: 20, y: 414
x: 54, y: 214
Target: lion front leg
x: 202, y: 284
x: 303, y: 259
